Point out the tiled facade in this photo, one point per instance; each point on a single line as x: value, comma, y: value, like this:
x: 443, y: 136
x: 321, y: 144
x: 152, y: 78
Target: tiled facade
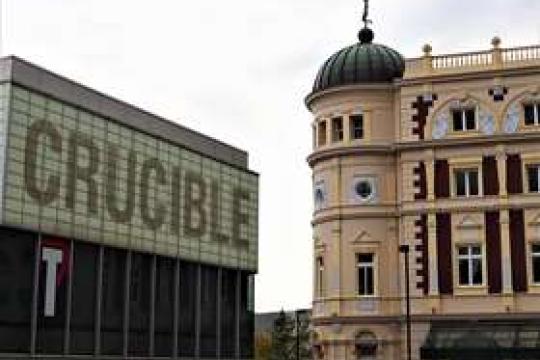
x: 445, y: 165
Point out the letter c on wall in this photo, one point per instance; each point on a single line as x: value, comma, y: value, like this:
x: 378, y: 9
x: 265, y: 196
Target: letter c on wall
x: 38, y: 128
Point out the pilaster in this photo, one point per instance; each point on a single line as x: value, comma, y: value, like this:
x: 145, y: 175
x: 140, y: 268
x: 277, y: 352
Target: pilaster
x: 506, y: 259
x: 501, y: 172
x: 432, y: 259
x: 346, y: 129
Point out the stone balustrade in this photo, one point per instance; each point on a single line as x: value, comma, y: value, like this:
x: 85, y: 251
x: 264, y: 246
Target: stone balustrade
x: 495, y: 59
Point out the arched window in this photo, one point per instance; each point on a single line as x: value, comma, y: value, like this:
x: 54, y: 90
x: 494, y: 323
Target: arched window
x: 366, y: 344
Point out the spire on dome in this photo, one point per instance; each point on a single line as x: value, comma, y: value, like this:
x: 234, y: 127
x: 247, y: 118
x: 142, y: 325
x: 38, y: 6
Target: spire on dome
x: 366, y: 14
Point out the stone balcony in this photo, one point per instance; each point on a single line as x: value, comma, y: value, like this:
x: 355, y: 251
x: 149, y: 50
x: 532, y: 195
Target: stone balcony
x: 472, y: 62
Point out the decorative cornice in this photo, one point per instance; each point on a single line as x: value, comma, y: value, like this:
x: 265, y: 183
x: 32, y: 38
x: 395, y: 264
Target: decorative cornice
x: 332, y: 152
x: 397, y: 319
x: 404, y: 146
x: 312, y: 97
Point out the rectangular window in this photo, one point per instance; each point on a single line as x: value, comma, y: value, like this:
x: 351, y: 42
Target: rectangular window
x: 322, y: 133
x: 532, y: 114
x: 536, y: 263
x: 466, y: 182
x: 366, y: 274
x: 320, y: 276
x: 357, y: 127
x: 470, y: 265
x: 533, y: 176
x: 464, y: 119
x: 337, y: 129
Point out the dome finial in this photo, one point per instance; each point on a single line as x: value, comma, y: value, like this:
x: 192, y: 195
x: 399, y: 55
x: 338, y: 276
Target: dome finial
x: 366, y: 14
x: 366, y: 35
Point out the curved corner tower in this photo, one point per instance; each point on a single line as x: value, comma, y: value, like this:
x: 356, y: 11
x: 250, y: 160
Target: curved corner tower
x: 355, y: 222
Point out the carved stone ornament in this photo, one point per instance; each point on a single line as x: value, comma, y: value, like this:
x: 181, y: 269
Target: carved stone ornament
x: 441, y: 125
x: 511, y: 119
x: 486, y: 122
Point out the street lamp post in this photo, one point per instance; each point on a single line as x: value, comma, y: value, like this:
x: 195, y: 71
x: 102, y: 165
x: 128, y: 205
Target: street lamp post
x: 404, y: 249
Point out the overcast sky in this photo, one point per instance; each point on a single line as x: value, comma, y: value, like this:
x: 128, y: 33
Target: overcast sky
x: 239, y: 70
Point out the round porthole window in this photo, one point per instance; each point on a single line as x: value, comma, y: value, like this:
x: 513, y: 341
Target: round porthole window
x: 364, y: 189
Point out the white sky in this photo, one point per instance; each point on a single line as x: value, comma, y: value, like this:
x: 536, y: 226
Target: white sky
x: 238, y: 70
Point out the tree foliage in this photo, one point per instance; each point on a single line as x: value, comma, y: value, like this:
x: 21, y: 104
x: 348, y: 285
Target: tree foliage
x: 285, y: 345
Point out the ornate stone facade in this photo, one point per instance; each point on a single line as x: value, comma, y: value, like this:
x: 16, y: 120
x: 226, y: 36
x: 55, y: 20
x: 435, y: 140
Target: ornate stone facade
x: 446, y: 164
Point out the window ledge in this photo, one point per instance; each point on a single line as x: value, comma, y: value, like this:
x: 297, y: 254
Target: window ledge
x: 473, y: 290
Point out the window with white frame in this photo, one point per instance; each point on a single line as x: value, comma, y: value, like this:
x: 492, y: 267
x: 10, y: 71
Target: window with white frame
x: 535, y: 253
x: 357, y: 127
x: 365, y: 263
x: 470, y: 265
x: 320, y: 276
x: 533, y: 178
x: 532, y: 114
x: 464, y: 119
x: 466, y: 182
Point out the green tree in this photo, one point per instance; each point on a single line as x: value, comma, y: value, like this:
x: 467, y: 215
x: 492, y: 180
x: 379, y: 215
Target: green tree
x: 283, y: 340
x: 304, y: 338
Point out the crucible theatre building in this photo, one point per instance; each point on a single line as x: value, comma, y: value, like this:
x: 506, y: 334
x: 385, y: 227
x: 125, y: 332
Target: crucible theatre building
x: 436, y: 158
x: 122, y: 234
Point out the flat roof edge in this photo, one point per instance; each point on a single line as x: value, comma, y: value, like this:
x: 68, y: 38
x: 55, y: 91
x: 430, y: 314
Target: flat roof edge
x: 31, y: 76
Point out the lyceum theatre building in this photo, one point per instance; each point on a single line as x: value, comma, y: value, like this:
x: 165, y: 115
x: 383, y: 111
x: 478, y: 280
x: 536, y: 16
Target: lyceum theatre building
x: 122, y: 234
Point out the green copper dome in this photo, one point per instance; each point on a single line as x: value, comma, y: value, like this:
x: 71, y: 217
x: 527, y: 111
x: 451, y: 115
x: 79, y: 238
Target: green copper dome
x: 361, y: 63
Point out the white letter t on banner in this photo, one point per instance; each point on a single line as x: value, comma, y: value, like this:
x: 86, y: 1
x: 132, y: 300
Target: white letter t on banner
x: 52, y: 258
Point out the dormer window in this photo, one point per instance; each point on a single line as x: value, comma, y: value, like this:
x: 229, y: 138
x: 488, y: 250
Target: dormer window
x: 532, y: 114
x: 337, y: 129
x: 357, y: 127
x: 464, y: 119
